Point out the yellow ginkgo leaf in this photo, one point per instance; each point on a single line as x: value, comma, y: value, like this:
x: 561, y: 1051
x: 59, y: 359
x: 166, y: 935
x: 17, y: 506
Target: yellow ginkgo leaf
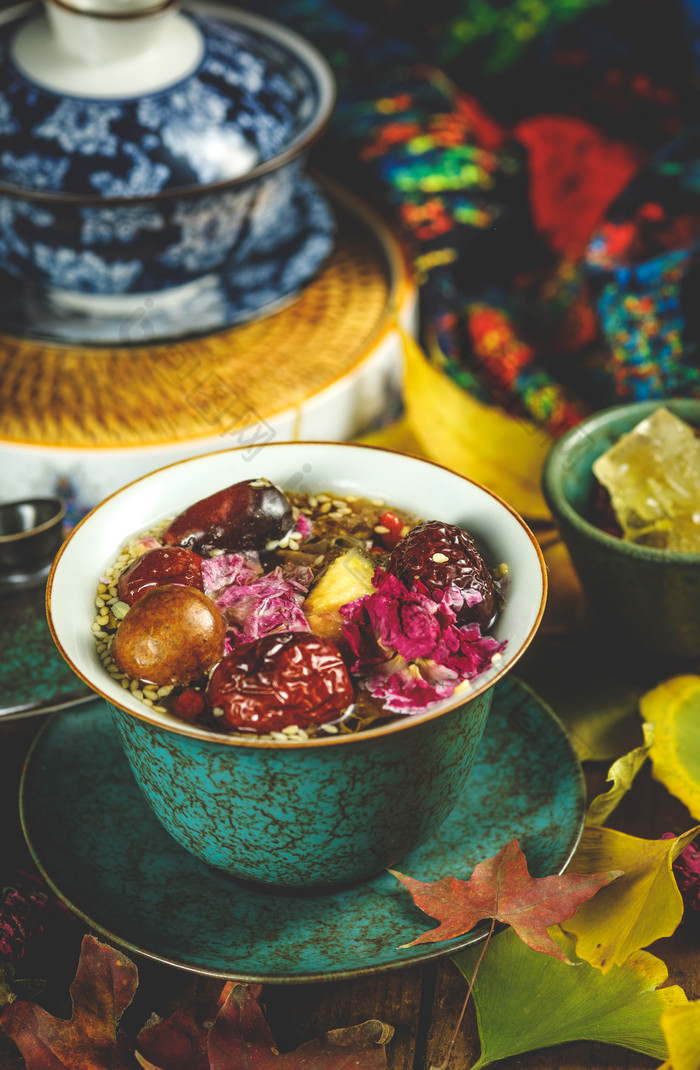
x: 641, y: 906
x: 681, y: 1027
x: 673, y: 708
x: 621, y: 773
x: 395, y: 436
x: 480, y: 441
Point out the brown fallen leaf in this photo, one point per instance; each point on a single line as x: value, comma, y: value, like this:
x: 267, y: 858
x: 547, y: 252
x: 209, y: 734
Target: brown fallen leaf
x: 104, y: 986
x: 239, y: 1038
x: 502, y: 888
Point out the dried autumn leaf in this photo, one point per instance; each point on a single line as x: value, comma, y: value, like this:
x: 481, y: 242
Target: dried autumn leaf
x: 178, y: 1042
x: 641, y: 907
x: 525, y: 1001
x: 673, y: 708
x: 622, y: 774
x: 681, y: 1026
x: 13, y: 987
x: 103, y: 987
x: 239, y: 1038
x: 502, y: 888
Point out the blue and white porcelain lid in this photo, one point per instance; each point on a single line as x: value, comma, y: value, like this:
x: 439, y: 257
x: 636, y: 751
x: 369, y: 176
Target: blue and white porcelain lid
x: 152, y: 101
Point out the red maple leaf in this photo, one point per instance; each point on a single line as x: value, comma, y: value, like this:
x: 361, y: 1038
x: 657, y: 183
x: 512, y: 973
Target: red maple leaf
x: 502, y: 888
x: 103, y: 987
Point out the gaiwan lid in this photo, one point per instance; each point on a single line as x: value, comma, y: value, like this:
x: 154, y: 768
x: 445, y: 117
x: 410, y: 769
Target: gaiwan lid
x: 124, y: 99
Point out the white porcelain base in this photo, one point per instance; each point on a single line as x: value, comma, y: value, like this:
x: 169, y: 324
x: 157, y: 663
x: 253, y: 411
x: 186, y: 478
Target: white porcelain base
x: 340, y: 412
x: 131, y: 307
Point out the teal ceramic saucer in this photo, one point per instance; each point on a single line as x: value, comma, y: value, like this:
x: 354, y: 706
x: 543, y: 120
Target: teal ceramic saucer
x: 34, y: 677
x: 99, y: 846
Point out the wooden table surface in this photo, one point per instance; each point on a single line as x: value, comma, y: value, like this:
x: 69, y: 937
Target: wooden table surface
x: 422, y: 1003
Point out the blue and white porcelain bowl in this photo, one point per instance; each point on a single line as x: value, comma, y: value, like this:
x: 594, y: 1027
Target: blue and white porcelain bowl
x: 143, y: 148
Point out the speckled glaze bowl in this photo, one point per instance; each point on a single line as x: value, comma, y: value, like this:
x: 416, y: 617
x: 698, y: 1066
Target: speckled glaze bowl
x: 328, y: 810
x: 144, y: 147
x: 641, y: 596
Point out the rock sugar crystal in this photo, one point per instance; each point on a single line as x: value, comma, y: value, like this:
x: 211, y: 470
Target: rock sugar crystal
x: 652, y: 475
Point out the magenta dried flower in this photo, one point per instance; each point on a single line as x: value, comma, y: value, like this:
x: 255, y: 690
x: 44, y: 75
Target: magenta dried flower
x: 22, y: 909
x: 686, y: 869
x: 409, y: 645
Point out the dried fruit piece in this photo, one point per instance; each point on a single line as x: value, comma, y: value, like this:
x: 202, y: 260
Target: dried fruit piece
x: 244, y: 516
x: 394, y: 525
x: 173, y: 635
x: 347, y: 578
x: 291, y: 678
x: 155, y: 568
x: 189, y: 705
x: 439, y: 556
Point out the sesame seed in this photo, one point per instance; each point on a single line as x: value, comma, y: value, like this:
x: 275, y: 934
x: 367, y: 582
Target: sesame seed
x: 323, y: 498
x: 439, y: 559
x: 325, y: 508
x: 496, y: 658
x: 380, y: 529
x: 378, y: 501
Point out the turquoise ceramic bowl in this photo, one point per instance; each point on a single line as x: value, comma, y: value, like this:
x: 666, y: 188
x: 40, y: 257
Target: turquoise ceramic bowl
x: 640, y: 596
x: 324, y: 811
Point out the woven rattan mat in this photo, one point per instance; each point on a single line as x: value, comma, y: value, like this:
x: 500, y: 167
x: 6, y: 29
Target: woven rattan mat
x: 102, y: 396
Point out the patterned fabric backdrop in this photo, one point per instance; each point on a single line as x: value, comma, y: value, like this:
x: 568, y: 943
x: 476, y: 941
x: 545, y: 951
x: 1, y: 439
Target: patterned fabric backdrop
x: 542, y: 159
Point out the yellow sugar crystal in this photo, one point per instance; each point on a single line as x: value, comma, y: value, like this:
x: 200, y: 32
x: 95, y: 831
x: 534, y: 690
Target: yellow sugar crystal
x: 652, y: 475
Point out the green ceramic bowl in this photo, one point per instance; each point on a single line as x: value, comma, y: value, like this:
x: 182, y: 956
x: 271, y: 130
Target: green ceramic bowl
x: 323, y: 811
x: 640, y: 595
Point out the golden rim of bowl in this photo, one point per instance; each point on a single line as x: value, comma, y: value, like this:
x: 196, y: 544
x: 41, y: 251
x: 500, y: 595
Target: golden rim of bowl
x: 400, y: 722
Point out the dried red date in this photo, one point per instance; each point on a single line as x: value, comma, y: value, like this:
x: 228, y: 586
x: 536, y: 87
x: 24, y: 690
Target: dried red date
x: 441, y: 555
x: 282, y: 679
x: 244, y: 516
x: 171, y: 564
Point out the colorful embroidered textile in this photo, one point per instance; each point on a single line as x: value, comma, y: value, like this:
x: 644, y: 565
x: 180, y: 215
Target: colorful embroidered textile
x: 505, y: 136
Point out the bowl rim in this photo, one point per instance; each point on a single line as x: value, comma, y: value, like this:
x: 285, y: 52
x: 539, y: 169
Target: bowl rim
x: 560, y: 505
x: 305, y: 52
x: 156, y: 9
x: 56, y: 518
x: 400, y: 722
